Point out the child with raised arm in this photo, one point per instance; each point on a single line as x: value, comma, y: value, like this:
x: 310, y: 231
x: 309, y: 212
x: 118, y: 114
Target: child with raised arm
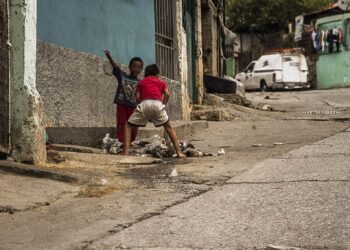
x: 152, y: 95
x: 124, y: 96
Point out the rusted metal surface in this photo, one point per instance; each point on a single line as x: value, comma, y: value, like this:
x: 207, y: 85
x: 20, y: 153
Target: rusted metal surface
x: 4, y: 76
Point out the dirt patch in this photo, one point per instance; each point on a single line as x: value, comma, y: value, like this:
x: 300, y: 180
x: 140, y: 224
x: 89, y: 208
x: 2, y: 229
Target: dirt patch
x: 150, y: 175
x: 8, y: 209
x: 93, y: 191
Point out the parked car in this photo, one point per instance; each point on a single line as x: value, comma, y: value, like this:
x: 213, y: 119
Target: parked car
x: 276, y: 71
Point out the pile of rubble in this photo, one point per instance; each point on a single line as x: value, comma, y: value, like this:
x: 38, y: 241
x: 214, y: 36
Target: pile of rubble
x: 154, y: 146
x: 227, y: 107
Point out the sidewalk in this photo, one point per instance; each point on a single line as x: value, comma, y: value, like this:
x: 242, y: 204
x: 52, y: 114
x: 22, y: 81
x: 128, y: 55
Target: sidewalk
x: 82, y: 162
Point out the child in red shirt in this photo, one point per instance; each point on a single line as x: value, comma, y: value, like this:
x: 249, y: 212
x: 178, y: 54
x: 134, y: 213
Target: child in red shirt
x: 152, y: 94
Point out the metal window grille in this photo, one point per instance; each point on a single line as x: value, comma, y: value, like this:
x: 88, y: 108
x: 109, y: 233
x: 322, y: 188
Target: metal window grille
x: 4, y: 77
x: 165, y: 29
x: 228, y: 51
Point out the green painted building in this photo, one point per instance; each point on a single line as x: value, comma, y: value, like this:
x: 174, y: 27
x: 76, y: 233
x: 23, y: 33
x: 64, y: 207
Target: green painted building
x: 333, y: 66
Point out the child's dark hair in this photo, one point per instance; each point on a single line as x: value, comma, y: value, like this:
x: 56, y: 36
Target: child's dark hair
x: 135, y: 59
x: 152, y: 70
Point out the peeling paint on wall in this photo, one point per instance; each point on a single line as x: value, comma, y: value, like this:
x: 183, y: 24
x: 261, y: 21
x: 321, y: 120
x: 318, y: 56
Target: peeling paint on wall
x: 27, y: 130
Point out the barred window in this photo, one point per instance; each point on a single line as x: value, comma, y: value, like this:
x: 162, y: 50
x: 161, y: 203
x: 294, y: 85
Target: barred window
x: 165, y: 30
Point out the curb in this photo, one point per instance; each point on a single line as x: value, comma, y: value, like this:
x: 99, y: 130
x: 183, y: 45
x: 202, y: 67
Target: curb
x: 75, y: 148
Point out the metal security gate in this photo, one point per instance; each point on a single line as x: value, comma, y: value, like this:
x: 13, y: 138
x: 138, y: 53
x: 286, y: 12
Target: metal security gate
x: 4, y: 77
x: 165, y: 42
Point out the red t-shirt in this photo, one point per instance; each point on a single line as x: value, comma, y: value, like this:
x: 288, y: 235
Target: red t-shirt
x: 151, y: 88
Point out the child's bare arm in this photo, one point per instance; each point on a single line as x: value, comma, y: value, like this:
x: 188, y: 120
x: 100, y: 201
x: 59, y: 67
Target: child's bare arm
x: 166, y: 96
x: 109, y: 56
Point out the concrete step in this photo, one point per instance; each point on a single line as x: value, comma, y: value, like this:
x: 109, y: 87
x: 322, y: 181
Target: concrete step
x: 92, y: 136
x: 207, y: 114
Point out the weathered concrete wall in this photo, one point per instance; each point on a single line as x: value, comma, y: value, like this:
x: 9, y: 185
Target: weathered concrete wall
x: 126, y: 27
x: 199, y: 83
x: 27, y: 131
x: 210, y: 48
x: 175, y: 106
x: 182, y: 54
x: 77, y: 92
x: 182, y: 59
x: 4, y: 80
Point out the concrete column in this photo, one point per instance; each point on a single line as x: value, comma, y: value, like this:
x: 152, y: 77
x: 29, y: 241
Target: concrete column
x: 182, y: 59
x: 199, y: 54
x: 27, y: 130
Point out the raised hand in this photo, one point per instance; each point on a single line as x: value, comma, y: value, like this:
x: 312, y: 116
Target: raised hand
x: 107, y: 52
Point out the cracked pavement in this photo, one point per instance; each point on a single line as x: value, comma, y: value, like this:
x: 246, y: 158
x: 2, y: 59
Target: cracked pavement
x: 304, y: 204
x: 295, y: 193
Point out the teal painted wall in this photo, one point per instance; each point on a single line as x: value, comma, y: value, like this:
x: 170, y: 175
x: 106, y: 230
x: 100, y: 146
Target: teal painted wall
x: 126, y: 27
x: 333, y: 69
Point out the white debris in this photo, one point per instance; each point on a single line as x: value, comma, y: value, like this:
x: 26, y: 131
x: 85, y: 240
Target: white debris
x: 272, y: 247
x: 173, y: 173
x: 266, y: 107
x: 154, y: 146
x: 107, y: 142
x: 278, y: 143
x: 110, y: 145
x: 106, y: 139
x: 9, y: 44
x: 104, y: 181
x: 221, y: 152
x: 183, y: 144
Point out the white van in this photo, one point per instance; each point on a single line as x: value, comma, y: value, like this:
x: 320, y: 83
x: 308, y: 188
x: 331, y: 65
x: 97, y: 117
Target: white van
x: 276, y: 71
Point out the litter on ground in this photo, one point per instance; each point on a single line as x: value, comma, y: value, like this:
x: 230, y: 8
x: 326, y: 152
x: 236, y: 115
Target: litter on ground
x: 154, y: 146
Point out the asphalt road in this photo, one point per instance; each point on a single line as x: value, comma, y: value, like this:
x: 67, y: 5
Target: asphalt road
x: 284, y: 180
x: 299, y: 200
